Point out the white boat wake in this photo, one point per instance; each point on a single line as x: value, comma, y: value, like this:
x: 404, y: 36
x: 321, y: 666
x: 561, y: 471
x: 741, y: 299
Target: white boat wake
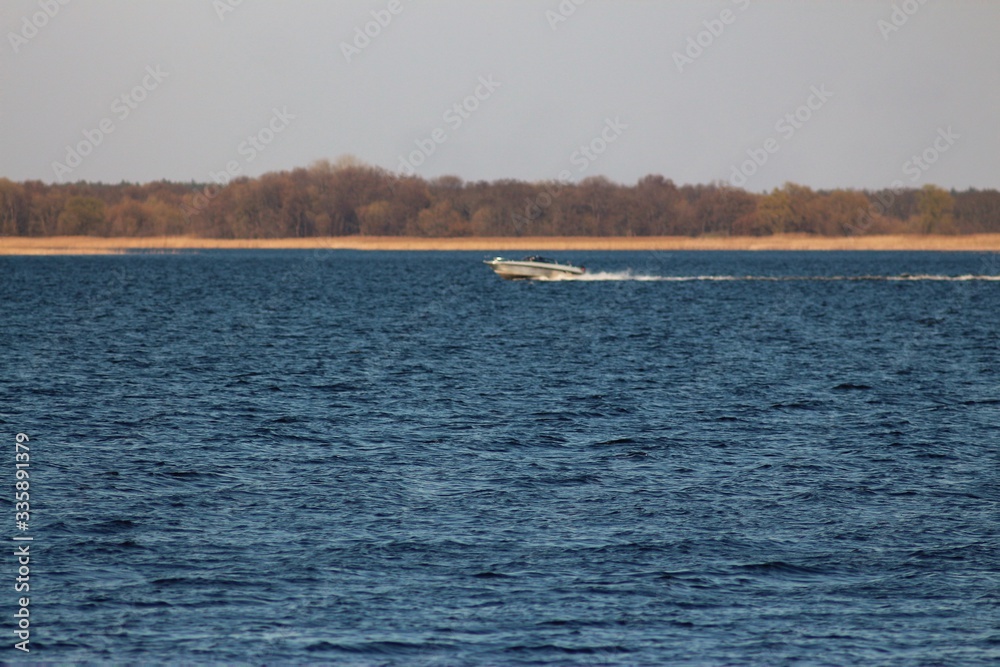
x: 628, y: 275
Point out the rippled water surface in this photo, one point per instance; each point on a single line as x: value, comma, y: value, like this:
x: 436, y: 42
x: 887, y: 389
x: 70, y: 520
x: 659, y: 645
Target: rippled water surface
x: 399, y: 459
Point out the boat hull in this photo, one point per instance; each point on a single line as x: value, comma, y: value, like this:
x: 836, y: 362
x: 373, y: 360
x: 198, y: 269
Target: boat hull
x: 515, y: 270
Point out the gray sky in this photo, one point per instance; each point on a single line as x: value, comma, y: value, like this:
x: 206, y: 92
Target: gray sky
x: 626, y: 79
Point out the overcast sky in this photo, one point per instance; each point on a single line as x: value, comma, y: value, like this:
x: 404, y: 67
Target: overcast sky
x: 827, y: 94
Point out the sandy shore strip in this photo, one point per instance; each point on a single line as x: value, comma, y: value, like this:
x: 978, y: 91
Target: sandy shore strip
x: 93, y: 245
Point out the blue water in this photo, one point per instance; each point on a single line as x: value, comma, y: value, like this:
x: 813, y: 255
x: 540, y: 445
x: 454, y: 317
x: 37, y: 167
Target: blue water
x: 399, y: 459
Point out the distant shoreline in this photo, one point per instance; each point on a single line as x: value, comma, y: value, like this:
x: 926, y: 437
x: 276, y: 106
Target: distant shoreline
x: 93, y: 245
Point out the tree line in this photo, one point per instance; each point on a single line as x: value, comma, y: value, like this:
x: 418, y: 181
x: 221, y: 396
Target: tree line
x: 348, y: 197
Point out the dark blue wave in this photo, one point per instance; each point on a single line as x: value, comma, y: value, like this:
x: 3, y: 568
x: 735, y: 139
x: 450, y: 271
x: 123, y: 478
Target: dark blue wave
x: 398, y: 459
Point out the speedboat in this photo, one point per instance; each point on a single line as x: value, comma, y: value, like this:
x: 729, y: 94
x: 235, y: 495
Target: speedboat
x: 533, y: 268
